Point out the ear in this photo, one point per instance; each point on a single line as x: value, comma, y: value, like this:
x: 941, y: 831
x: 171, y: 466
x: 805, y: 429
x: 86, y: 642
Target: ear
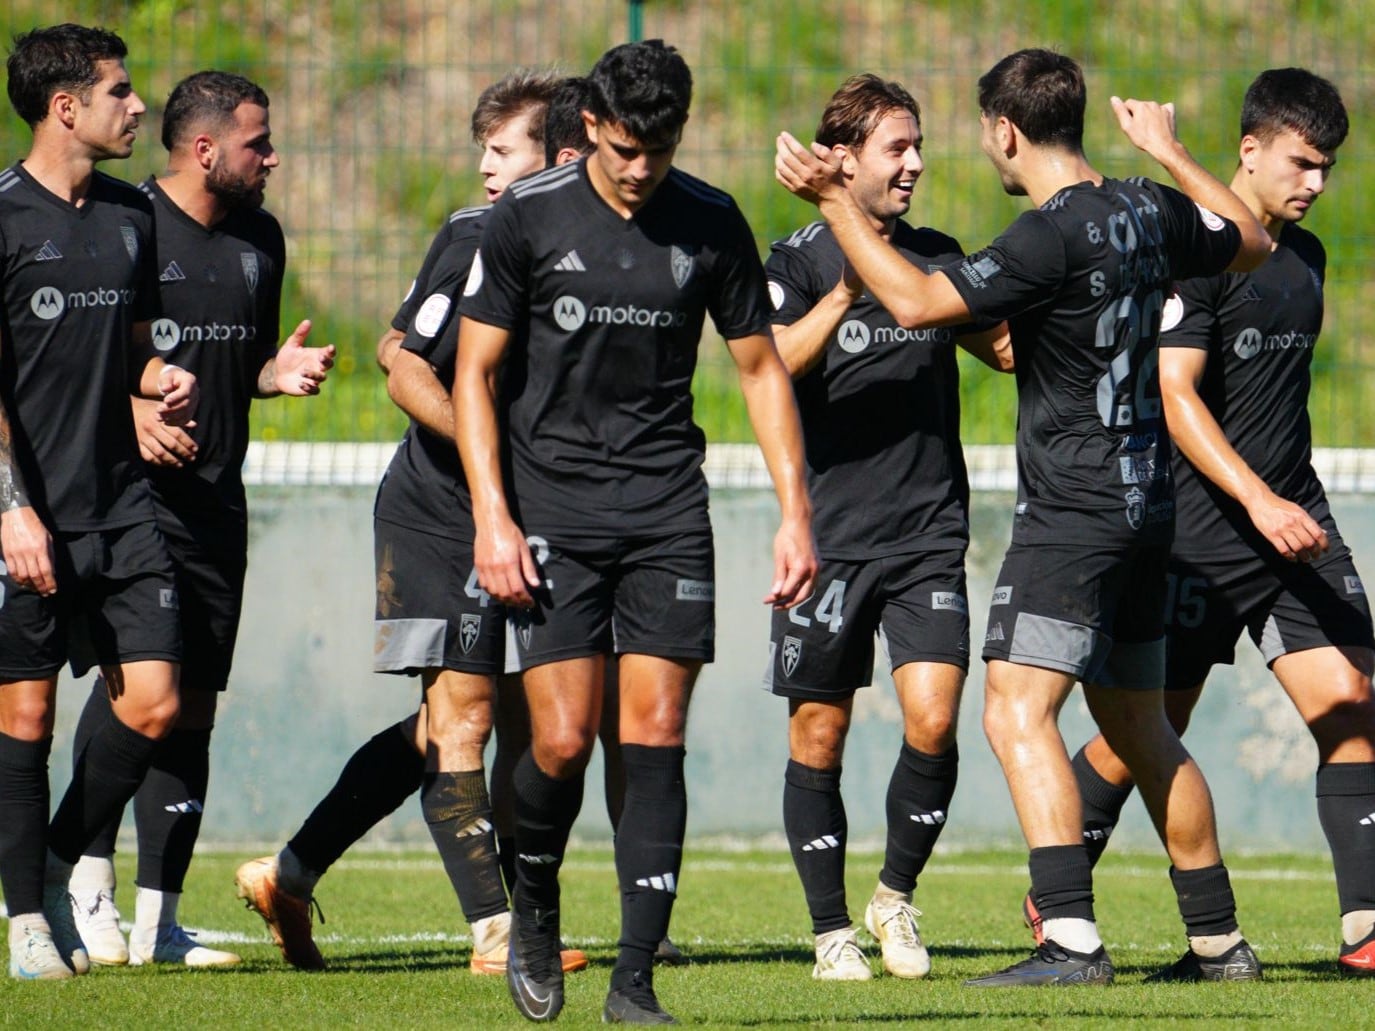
x: 589, y: 121
x: 203, y: 150
x: 567, y: 154
x: 62, y: 106
x: 1007, y: 135
x: 849, y: 163
x: 1249, y: 152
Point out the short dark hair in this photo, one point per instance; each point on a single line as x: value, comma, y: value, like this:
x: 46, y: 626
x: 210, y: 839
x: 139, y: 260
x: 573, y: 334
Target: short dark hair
x: 858, y: 106
x: 58, y: 58
x: 524, y: 91
x: 563, y: 125
x: 1297, y: 100
x: 206, y: 101
x: 1039, y: 91
x: 645, y: 88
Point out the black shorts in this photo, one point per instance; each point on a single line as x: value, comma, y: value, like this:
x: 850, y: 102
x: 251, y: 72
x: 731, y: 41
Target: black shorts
x: 653, y: 595
x: 1285, y: 606
x: 824, y: 648
x: 211, y: 559
x: 1096, y: 613
x: 431, y: 613
x: 116, y: 602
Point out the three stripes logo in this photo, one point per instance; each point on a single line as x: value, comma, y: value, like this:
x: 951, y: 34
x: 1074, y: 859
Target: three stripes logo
x: 191, y: 805
x: 660, y: 882
x: 172, y: 273
x: 48, y: 252
x: 476, y: 829
x: 1368, y: 821
x: 821, y: 844
x: 570, y: 262
x: 932, y: 819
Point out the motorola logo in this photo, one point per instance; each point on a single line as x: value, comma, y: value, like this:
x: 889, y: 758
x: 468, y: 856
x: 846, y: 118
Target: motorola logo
x: 166, y: 335
x: 853, y: 336
x: 47, y: 303
x: 570, y: 313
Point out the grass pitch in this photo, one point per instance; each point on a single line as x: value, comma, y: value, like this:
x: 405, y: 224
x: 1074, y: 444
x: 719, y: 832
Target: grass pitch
x: 398, y: 952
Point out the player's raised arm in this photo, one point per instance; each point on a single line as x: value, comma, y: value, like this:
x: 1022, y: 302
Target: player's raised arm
x: 1150, y: 126
x: 296, y: 370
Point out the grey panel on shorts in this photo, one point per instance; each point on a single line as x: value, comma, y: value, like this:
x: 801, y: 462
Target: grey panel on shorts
x: 1271, y: 641
x: 1138, y: 666
x: 1056, y: 644
x: 408, y: 644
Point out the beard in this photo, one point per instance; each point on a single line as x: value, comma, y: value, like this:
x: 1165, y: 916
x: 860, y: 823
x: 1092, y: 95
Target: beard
x: 236, y: 191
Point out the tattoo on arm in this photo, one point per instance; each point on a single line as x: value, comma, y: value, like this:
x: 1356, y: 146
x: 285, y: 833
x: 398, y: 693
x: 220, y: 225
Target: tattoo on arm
x: 13, y: 494
x: 267, y: 379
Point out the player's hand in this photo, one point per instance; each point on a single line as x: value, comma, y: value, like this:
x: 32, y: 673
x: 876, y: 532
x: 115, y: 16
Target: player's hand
x: 1149, y: 125
x: 812, y: 175
x: 850, y: 283
x: 28, y: 550
x: 180, y: 395
x: 794, y: 565
x: 161, y: 443
x: 1290, y: 530
x: 505, y: 567
x: 299, y: 369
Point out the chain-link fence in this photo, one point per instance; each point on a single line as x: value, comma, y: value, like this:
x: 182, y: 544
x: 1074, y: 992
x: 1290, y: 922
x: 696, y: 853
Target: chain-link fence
x: 370, y: 107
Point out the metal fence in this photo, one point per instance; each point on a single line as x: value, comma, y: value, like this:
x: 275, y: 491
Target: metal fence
x: 370, y: 105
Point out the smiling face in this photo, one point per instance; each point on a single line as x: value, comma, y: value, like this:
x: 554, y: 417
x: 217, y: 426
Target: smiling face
x: 507, y: 154
x: 626, y: 171
x: 1285, y: 174
x: 244, y: 157
x: 106, y: 119
x: 883, y: 172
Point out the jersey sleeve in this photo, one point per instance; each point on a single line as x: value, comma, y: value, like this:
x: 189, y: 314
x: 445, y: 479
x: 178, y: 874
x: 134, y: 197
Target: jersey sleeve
x: 1019, y: 270
x: 268, y: 330
x: 431, y: 333
x: 497, y: 288
x: 739, y: 301
x: 1201, y: 243
x: 792, y: 283
x: 1190, y: 316
x: 420, y: 284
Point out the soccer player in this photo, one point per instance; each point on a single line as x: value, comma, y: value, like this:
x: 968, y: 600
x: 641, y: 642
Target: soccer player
x: 1082, y: 281
x: 87, y: 576
x: 432, y: 618
x: 1255, y: 545
x: 880, y: 415
x: 613, y: 262
x: 221, y: 260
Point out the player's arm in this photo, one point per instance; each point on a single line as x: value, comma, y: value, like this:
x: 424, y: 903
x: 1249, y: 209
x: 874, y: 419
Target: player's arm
x: 802, y: 343
x: 993, y: 347
x: 1150, y: 126
x: 416, y: 390
x: 1290, y: 529
x: 25, y: 542
x: 773, y: 413
x: 387, y: 346
x: 160, y: 379
x: 916, y: 299
x: 295, y: 369
x: 505, y: 568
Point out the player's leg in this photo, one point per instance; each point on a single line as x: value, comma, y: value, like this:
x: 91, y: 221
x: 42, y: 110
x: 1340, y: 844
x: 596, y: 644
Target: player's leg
x: 93, y: 877
x: 513, y: 738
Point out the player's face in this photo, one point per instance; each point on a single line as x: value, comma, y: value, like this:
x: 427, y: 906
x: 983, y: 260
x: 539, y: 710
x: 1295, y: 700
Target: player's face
x: 625, y: 170
x: 1287, y: 174
x: 507, y: 154
x: 886, y: 168
x: 107, y: 119
x: 244, y: 157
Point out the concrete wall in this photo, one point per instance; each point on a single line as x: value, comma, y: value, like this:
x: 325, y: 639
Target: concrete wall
x: 302, y: 697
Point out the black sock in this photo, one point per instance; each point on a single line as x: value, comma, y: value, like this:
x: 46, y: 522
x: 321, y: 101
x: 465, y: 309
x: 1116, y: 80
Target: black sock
x: 104, y: 777
x: 1062, y: 882
x: 1346, y: 809
x: 919, y: 796
x: 24, y: 804
x: 459, y: 815
x: 545, y: 811
x: 1205, y: 900
x: 93, y: 715
x: 168, y: 807
x: 377, y: 778
x: 1102, y: 801
x: 814, y: 821
x: 506, y: 857
x: 649, y: 853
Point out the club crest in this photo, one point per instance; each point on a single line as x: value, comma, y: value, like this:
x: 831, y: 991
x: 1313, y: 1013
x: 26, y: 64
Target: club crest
x: 469, y: 629
x: 683, y: 262
x: 130, y: 241
x: 792, y: 652
x: 249, y: 261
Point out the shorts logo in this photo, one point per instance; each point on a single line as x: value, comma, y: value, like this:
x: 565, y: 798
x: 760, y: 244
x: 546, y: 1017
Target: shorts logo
x: 949, y: 601
x: 853, y: 336
x: 682, y: 262
x: 167, y: 597
x: 792, y: 652
x: 469, y: 628
x: 696, y: 590
x: 524, y: 631
x: 166, y: 335
x: 1136, y: 508
x: 249, y: 262
x: 47, y: 303
x: 995, y: 633
x: 1002, y: 595
x: 1353, y: 585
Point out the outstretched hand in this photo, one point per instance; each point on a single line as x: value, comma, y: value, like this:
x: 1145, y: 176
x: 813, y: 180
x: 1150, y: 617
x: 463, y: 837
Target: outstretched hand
x: 299, y: 370
x: 814, y: 175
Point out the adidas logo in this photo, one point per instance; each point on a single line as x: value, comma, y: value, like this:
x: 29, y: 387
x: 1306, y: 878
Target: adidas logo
x: 661, y: 882
x: 995, y: 633
x: 47, y: 252
x: 822, y: 843
x: 1368, y: 821
x: 932, y: 819
x: 1097, y: 833
x: 172, y: 274
x: 1251, y: 294
x: 476, y: 829
x: 542, y: 860
x: 191, y: 805
x: 570, y: 262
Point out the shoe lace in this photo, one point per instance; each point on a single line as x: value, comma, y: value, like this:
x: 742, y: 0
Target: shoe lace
x: 538, y: 946
x: 901, y: 925
x: 98, y: 901
x: 640, y: 991
x: 1046, y: 952
x: 312, y: 904
x: 841, y: 949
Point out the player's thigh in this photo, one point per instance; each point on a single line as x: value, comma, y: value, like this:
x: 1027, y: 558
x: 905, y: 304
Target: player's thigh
x: 1207, y: 604
x: 129, y: 608
x: 34, y: 630
x: 823, y: 649
x: 210, y: 577
x: 564, y: 699
x: 1320, y: 604
x: 572, y: 615
x: 665, y: 598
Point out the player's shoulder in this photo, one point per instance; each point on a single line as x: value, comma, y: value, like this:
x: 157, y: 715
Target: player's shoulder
x: 541, y: 184
x: 467, y: 223
x: 805, y: 239
x: 1304, y: 243
x: 698, y: 189
x: 925, y: 242
x: 110, y: 190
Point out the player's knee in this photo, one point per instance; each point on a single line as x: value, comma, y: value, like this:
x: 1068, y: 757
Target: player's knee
x: 931, y: 731
x: 27, y: 719
x: 153, y: 718
x: 564, y: 751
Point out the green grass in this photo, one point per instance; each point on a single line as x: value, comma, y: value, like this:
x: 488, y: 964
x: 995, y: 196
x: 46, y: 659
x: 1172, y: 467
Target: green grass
x: 398, y: 953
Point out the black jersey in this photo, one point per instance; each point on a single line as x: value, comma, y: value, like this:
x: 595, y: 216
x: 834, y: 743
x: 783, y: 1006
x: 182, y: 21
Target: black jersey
x: 74, y: 281
x: 420, y: 289
x: 880, y: 410
x: 601, y: 429
x: 1082, y: 281
x: 1259, y: 329
x: 424, y: 487
x: 221, y: 308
